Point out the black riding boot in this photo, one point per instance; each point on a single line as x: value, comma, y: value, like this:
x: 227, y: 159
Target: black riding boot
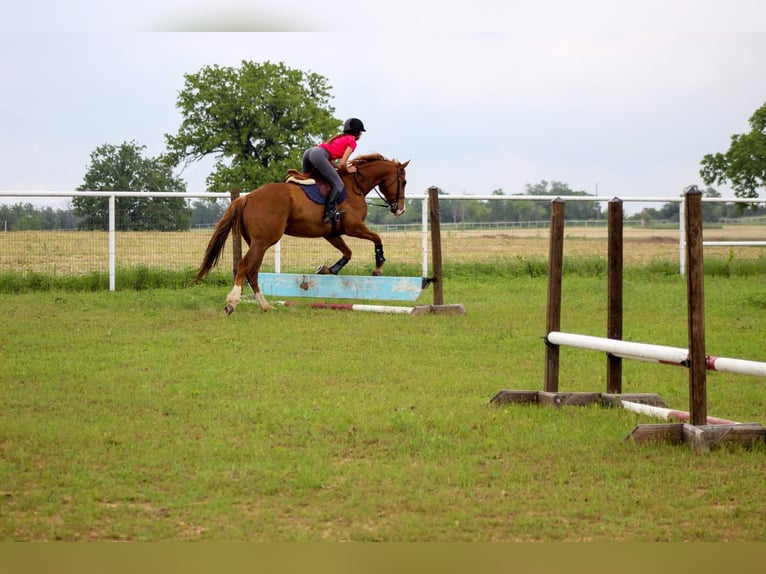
x: 331, y: 207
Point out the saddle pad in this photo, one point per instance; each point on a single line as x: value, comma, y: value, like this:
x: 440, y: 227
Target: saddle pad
x: 314, y: 194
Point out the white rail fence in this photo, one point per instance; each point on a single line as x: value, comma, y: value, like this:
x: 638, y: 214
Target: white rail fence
x: 113, y: 195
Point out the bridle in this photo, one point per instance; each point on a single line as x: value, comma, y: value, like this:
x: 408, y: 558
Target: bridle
x: 393, y: 206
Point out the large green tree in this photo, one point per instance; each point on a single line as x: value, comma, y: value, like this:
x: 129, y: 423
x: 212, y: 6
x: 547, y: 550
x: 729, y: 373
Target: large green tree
x: 744, y: 164
x: 123, y: 168
x: 255, y: 120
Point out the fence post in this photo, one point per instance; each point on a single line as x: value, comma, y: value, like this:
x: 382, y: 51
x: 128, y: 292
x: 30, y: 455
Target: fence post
x: 236, y: 239
x: 696, y: 307
x: 614, y: 294
x: 112, y: 243
x: 555, y: 272
x: 436, y: 245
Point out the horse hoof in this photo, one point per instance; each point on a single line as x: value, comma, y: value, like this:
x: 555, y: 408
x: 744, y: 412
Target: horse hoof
x: 228, y: 309
x: 322, y: 270
x: 377, y: 273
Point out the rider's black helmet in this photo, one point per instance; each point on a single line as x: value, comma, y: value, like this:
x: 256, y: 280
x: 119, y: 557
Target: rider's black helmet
x: 353, y: 125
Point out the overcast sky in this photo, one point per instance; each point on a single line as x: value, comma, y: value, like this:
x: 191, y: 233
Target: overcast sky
x: 619, y: 98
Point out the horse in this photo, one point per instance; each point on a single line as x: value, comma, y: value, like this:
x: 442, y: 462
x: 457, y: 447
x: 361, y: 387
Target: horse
x: 265, y: 214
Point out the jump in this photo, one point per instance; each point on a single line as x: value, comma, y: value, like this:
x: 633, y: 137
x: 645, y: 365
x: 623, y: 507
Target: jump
x: 264, y: 215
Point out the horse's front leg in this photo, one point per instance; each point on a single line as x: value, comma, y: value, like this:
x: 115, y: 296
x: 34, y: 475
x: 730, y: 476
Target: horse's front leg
x: 341, y: 246
x: 365, y: 233
x: 379, y: 260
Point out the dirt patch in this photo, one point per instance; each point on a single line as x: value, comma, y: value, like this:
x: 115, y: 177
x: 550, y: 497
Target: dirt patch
x: 655, y: 239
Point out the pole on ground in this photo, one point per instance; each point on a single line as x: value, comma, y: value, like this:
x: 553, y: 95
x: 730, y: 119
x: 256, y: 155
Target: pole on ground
x: 436, y: 245
x: 555, y: 272
x: 614, y: 290
x: 696, y: 307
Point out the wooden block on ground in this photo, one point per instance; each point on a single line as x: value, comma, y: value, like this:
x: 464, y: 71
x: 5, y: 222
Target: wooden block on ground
x: 454, y: 309
x: 666, y: 432
x: 514, y: 397
x: 567, y: 399
x: 704, y: 437
x: 701, y: 438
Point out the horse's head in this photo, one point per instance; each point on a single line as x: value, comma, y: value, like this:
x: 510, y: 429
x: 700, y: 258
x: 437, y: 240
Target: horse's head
x: 393, y: 191
x: 389, y: 176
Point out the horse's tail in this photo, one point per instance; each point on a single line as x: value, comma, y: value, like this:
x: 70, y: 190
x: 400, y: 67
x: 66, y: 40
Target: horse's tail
x: 230, y: 222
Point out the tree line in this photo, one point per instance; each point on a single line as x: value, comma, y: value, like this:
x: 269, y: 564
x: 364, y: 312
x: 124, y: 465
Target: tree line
x: 206, y: 213
x: 26, y: 216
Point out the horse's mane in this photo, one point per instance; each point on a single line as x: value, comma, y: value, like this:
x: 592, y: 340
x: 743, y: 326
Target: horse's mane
x: 368, y: 158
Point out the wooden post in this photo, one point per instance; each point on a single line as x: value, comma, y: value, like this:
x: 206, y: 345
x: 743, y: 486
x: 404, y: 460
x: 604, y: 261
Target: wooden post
x: 696, y: 307
x: 555, y: 272
x: 236, y: 240
x: 436, y: 244
x: 614, y: 290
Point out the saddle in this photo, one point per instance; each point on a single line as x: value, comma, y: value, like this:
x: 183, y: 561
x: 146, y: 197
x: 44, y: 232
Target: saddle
x: 295, y: 176
x: 313, y: 185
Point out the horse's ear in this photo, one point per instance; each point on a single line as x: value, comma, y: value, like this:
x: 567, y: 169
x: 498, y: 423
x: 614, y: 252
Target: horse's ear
x: 405, y: 164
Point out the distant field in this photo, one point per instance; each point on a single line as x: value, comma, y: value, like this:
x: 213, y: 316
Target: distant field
x: 80, y: 252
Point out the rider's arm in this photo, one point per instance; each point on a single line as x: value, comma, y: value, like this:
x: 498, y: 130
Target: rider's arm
x: 343, y: 161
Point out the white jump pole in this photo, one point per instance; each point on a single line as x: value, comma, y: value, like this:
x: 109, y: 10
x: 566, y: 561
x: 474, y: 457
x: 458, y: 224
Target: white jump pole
x: 655, y: 353
x: 393, y: 309
x: 619, y: 348
x: 669, y: 414
x: 736, y: 366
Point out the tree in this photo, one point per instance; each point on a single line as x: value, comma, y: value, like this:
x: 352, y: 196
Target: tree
x: 582, y: 210
x: 744, y: 164
x: 20, y: 217
x: 256, y: 120
x: 207, y: 212
x: 122, y: 168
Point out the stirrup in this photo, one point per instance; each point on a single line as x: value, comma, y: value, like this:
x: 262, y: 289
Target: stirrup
x: 332, y: 213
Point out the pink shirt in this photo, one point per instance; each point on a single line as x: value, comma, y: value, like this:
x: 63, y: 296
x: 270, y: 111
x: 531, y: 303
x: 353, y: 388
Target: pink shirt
x: 337, y: 147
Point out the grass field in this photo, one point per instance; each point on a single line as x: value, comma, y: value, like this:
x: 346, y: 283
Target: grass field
x: 151, y: 416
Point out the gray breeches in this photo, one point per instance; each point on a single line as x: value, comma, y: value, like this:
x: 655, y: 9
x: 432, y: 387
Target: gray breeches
x: 319, y: 158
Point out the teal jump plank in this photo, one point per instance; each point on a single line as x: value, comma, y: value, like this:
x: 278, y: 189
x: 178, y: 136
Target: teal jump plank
x: 340, y: 286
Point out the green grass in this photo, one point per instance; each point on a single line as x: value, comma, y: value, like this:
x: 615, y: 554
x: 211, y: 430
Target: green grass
x: 149, y: 415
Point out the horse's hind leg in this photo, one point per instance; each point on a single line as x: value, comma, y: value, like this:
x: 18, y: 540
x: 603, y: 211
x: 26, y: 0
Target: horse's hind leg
x: 252, y: 278
x: 234, y: 296
x: 248, y: 267
x: 341, y: 246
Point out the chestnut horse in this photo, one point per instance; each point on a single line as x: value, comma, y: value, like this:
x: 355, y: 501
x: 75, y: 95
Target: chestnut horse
x: 264, y: 215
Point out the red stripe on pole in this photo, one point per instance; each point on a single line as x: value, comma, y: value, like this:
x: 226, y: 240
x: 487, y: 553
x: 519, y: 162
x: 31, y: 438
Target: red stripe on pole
x: 667, y: 414
x: 684, y: 417
x: 336, y: 306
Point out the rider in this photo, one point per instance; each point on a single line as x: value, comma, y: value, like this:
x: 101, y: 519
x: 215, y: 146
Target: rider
x: 322, y: 156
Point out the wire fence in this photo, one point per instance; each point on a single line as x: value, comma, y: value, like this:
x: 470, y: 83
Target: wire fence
x: 62, y: 253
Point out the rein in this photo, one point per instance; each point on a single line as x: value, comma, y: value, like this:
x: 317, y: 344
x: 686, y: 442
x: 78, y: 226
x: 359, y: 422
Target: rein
x: 389, y: 204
